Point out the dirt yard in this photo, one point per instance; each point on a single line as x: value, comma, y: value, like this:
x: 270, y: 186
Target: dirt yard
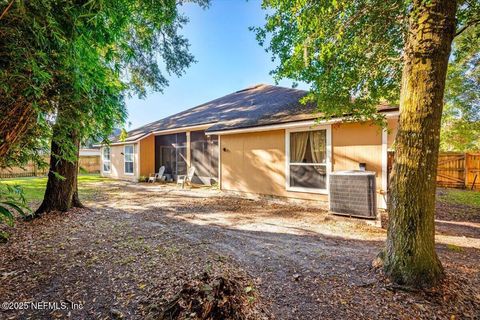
x: 140, y: 243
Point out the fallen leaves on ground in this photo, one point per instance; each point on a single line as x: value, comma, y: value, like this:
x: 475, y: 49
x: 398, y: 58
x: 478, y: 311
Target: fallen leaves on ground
x: 214, y: 297
x: 141, y: 246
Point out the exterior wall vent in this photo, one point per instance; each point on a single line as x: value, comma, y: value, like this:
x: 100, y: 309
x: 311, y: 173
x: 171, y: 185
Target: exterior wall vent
x: 353, y: 193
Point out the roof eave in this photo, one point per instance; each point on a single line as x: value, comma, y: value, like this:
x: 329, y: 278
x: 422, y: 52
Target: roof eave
x: 163, y: 132
x: 392, y: 113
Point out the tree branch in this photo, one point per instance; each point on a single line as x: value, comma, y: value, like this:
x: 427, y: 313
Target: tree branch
x: 7, y: 8
x: 468, y: 25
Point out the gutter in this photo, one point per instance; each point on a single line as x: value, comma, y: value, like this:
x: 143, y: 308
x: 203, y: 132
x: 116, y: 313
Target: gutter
x: 162, y: 132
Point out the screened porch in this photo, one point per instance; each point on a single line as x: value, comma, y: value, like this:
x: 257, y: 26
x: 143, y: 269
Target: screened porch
x: 179, y: 151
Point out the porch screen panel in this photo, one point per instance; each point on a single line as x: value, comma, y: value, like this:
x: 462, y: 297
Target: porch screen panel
x: 170, y: 151
x: 213, y: 151
x: 181, y: 153
x: 165, y: 153
x: 204, y: 154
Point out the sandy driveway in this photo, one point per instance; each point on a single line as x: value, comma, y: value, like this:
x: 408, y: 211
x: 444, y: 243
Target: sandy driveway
x: 142, y: 241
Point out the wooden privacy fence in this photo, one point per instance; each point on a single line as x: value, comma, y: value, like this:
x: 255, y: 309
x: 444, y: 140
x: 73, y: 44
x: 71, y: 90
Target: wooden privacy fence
x: 455, y: 170
x: 30, y: 170
x: 459, y: 170
x: 88, y: 164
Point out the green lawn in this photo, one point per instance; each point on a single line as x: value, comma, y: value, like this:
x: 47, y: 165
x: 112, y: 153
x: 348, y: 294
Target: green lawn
x: 458, y: 196
x: 34, y: 187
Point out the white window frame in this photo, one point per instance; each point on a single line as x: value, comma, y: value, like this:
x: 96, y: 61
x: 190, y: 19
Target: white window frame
x: 328, y: 160
x: 105, y: 160
x: 125, y: 157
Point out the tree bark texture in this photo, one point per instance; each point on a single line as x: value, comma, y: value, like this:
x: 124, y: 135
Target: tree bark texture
x: 75, y: 198
x: 410, y: 257
x: 61, y: 194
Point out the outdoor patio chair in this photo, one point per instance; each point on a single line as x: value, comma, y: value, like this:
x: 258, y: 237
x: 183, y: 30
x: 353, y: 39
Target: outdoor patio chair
x: 157, y: 176
x: 186, y: 179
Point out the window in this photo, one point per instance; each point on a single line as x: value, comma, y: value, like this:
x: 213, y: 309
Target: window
x: 308, y: 160
x: 128, y: 152
x: 106, y: 159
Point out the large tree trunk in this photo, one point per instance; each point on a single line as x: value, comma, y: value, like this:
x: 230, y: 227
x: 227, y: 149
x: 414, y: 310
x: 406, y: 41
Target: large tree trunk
x: 62, y: 192
x: 410, y: 249
x: 75, y: 198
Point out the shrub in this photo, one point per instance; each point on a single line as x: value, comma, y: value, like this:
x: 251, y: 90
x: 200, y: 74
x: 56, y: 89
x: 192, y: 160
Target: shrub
x: 12, y: 200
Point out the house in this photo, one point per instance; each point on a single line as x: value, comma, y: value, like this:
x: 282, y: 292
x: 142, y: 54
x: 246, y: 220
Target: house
x: 258, y: 140
x: 89, y: 152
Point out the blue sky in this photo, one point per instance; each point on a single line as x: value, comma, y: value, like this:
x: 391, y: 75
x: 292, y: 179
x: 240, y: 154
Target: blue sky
x: 229, y: 59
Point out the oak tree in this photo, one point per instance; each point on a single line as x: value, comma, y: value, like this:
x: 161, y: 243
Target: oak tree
x: 357, y: 54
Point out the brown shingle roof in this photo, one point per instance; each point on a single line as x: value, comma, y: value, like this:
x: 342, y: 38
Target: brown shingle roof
x: 255, y: 106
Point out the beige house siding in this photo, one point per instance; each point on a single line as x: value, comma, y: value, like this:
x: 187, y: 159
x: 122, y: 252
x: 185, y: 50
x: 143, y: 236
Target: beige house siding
x: 355, y: 143
x: 392, y: 131
x: 147, y: 156
x: 117, y: 168
x: 255, y: 162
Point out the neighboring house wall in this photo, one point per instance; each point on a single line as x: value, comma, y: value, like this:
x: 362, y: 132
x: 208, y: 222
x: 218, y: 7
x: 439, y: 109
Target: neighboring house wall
x: 117, y: 160
x: 89, y: 163
x: 89, y: 152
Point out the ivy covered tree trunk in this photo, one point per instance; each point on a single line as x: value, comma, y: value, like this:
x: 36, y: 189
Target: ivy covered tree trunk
x: 410, y: 250
x: 61, y: 193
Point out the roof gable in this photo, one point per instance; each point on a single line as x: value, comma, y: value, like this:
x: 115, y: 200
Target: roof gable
x: 246, y: 107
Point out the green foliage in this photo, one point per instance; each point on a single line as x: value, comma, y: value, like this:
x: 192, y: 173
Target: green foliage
x: 25, y: 75
x: 350, y: 52
x: 72, y: 63
x: 123, y: 134
x: 461, y: 115
x: 12, y: 201
x: 463, y: 197
x: 34, y: 187
x: 454, y: 248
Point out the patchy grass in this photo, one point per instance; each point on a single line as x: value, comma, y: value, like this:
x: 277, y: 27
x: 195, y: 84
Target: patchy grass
x: 458, y: 196
x: 454, y: 248
x: 34, y: 187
